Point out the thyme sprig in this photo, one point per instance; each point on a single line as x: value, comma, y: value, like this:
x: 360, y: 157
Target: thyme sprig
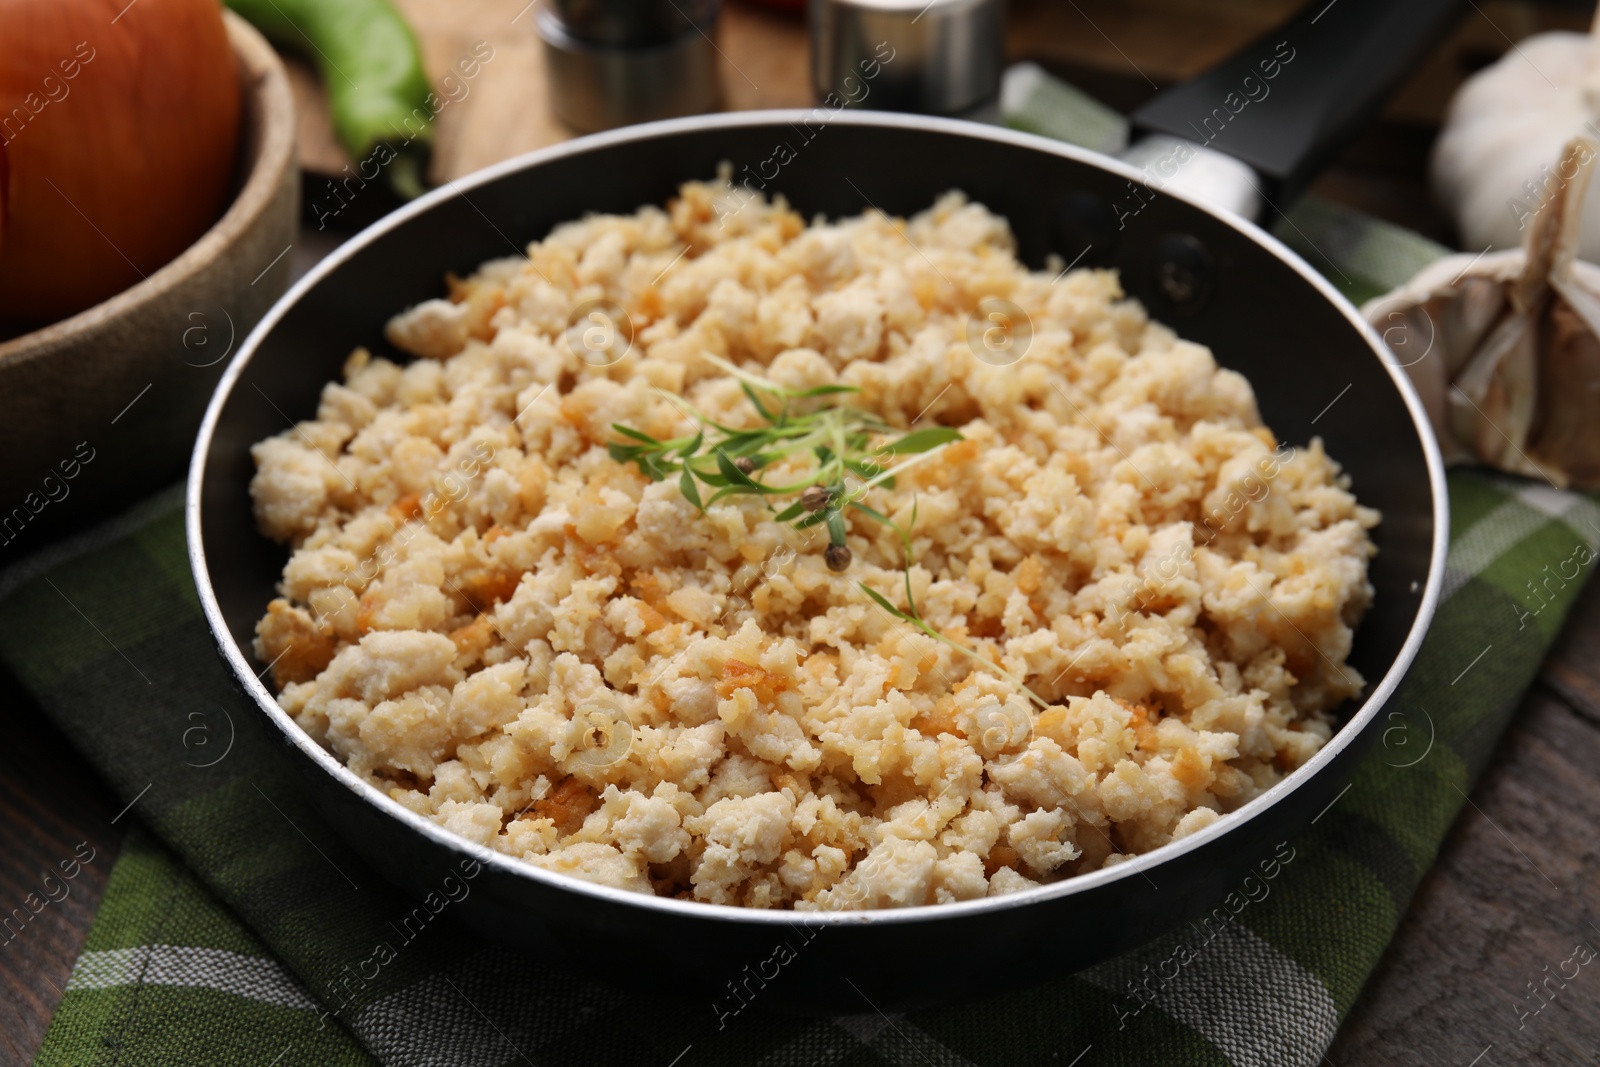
x: 914, y: 617
x: 840, y: 437
x: 847, y: 444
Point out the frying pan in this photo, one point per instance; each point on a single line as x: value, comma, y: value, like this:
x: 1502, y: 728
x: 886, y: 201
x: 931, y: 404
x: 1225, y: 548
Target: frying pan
x: 1317, y: 368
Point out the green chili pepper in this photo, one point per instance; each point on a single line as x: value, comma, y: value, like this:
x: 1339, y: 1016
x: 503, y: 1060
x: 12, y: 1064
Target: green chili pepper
x: 371, y: 68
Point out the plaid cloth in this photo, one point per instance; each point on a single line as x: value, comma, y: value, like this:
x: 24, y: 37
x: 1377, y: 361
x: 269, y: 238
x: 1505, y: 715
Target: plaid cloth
x: 231, y: 930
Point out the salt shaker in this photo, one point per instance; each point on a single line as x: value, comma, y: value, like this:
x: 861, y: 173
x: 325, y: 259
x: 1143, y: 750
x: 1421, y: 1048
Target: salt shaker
x: 941, y: 57
x: 615, y: 62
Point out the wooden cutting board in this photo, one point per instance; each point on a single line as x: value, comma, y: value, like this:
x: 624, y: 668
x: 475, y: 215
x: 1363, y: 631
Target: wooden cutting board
x: 765, y: 63
x: 504, y: 111
x: 1119, y: 50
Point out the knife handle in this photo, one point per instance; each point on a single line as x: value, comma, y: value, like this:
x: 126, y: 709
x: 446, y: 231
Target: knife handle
x: 1292, y: 99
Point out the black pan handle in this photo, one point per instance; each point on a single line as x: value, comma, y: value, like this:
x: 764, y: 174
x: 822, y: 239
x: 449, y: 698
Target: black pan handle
x: 1289, y: 101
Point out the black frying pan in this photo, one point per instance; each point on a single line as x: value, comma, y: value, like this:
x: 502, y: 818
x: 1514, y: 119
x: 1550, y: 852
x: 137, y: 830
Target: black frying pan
x: 1261, y: 310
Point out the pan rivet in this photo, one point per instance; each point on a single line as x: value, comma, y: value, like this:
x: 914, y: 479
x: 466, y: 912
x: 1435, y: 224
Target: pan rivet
x: 1184, y: 273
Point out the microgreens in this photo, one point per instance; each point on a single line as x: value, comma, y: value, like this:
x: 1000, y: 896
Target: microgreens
x: 839, y: 436
x: 912, y: 616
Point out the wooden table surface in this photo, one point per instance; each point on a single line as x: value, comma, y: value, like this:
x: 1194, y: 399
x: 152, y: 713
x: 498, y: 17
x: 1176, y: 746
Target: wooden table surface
x: 1515, y: 885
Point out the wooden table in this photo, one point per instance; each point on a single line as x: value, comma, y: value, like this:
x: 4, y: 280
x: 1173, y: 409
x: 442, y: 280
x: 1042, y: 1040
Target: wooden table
x: 1514, y: 888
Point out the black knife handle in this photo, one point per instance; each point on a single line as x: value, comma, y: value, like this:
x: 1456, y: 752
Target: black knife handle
x: 1289, y: 101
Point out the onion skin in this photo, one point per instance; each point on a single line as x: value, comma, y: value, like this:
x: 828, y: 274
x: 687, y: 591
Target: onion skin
x: 123, y: 153
x: 5, y: 191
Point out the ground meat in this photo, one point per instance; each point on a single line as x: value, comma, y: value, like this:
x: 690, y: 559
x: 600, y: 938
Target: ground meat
x: 505, y: 629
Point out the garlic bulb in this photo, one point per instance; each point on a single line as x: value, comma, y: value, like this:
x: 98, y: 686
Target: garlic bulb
x: 1492, y: 165
x: 1504, y: 348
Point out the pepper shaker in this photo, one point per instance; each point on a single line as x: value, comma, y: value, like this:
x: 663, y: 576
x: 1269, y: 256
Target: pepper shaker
x: 616, y: 62
x: 941, y: 57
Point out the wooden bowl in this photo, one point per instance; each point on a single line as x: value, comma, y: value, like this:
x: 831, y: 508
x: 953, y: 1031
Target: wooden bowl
x: 102, y: 408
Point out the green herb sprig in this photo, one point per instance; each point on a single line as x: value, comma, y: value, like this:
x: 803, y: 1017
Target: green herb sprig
x: 728, y: 460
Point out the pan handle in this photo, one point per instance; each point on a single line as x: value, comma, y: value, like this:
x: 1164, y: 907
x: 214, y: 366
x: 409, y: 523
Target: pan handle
x: 1289, y: 101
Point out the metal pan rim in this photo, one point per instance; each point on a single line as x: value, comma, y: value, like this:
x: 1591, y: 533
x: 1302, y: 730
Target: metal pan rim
x: 691, y: 910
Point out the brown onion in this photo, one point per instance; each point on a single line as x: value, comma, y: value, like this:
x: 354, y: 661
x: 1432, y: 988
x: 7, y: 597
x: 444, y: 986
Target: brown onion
x: 5, y: 189
x: 120, y: 121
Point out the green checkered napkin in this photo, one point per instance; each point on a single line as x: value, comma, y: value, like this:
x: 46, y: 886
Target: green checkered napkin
x: 235, y: 921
